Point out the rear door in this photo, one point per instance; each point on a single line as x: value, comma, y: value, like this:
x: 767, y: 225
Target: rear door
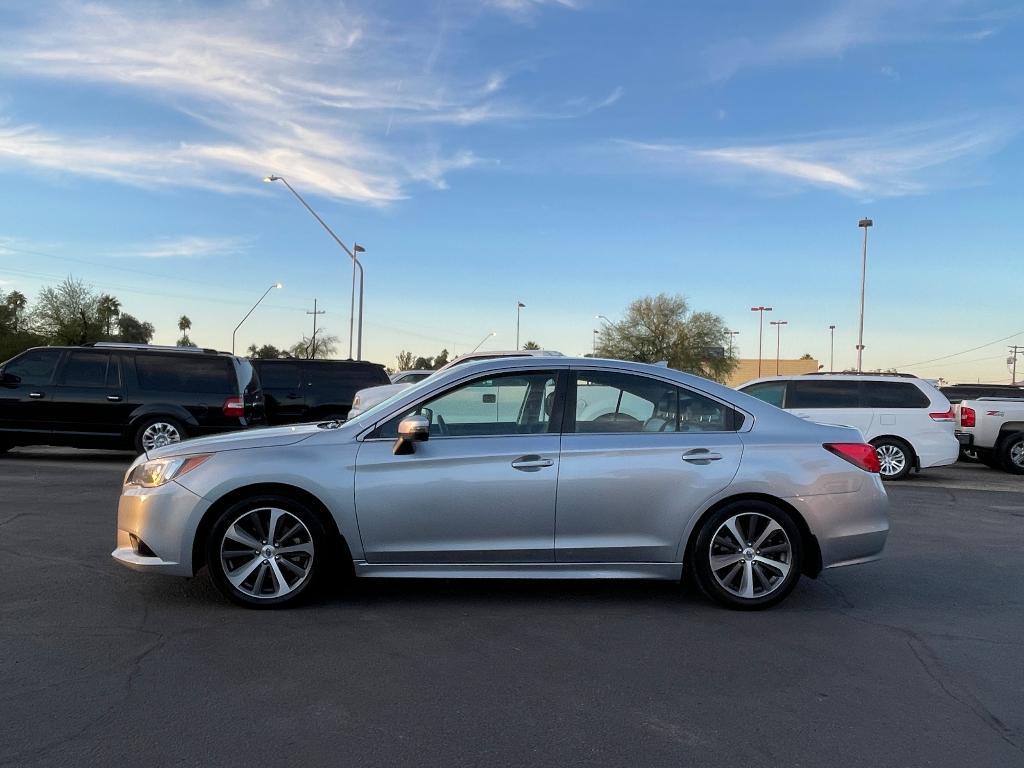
x: 89, y: 399
x: 26, y: 395
x: 831, y: 401
x: 639, y: 458
x: 283, y: 391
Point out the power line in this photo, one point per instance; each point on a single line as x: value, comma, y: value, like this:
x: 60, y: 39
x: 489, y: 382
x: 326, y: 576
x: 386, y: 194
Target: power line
x: 963, y: 352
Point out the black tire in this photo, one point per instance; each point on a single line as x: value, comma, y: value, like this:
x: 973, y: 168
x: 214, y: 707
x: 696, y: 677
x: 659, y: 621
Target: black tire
x: 166, y: 425
x: 989, y: 458
x: 264, y: 591
x: 1011, y: 453
x: 769, y: 585
x: 895, y: 456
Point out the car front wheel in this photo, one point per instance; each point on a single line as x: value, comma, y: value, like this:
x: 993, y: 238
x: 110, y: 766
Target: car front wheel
x: 894, y: 458
x: 747, y: 555
x: 266, y: 551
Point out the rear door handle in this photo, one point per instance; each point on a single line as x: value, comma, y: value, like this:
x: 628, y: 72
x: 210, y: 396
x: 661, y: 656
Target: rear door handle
x: 114, y: 398
x: 35, y: 395
x: 531, y: 463
x: 292, y: 396
x: 701, y: 456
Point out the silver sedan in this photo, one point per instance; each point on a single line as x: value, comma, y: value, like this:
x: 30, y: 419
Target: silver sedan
x: 516, y: 468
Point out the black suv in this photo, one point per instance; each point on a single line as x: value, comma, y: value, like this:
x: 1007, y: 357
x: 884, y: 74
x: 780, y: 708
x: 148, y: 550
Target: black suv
x: 124, y: 396
x: 314, y: 390
x: 958, y: 392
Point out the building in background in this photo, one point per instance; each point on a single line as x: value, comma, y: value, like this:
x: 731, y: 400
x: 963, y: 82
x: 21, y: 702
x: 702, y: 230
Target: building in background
x: 746, y: 369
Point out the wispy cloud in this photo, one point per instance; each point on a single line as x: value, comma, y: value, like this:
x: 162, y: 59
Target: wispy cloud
x: 299, y: 90
x: 905, y: 160
x: 847, y: 24
x: 189, y: 247
x: 522, y: 9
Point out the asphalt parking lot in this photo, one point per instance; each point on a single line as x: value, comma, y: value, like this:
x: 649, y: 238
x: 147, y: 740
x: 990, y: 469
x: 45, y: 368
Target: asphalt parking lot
x: 913, y: 661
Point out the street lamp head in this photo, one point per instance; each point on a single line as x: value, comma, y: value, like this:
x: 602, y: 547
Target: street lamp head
x: 521, y: 305
x: 278, y: 285
x: 831, y: 327
x: 358, y: 248
x: 865, y: 222
x: 760, y: 309
x: 270, y: 179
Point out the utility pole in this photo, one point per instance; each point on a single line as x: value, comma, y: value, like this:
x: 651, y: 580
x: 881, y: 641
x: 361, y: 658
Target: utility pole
x: 1015, y: 350
x: 760, y: 333
x: 519, y: 308
x: 314, y: 313
x: 778, y: 340
x: 832, y: 352
x: 865, y: 223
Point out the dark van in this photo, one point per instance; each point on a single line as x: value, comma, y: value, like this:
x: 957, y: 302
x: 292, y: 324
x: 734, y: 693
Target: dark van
x: 131, y: 396
x: 314, y: 390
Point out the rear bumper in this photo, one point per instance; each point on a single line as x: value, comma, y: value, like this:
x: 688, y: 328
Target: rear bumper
x: 851, y: 528
x: 965, y: 439
x: 937, y: 450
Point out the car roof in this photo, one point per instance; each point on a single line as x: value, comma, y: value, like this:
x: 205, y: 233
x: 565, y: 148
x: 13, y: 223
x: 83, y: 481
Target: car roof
x: 353, y: 363
x: 837, y: 377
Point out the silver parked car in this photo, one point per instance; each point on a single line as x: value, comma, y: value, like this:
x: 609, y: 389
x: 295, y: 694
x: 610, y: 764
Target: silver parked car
x: 516, y: 467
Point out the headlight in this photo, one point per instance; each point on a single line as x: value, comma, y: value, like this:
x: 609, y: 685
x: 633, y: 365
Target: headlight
x: 152, y: 474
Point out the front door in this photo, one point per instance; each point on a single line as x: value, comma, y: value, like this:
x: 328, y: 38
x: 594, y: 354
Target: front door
x: 26, y: 394
x: 481, y: 489
x: 640, y: 457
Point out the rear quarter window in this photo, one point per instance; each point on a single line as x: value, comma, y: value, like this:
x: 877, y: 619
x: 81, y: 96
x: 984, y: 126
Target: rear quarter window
x: 182, y: 373
x: 894, y: 394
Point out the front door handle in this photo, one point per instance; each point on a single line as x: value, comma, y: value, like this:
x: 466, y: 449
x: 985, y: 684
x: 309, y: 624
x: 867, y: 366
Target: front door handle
x: 35, y: 395
x: 292, y: 396
x: 114, y: 398
x: 531, y: 463
x: 701, y: 456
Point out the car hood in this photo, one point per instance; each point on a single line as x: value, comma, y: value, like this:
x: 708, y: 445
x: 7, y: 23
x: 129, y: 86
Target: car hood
x: 260, y: 437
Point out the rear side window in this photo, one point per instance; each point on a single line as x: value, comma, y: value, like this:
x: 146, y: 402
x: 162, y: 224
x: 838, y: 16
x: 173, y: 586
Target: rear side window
x: 279, y: 376
x: 823, y: 394
x: 34, y: 367
x: 184, y: 373
x: 89, y: 369
x: 894, y: 394
x: 771, y: 392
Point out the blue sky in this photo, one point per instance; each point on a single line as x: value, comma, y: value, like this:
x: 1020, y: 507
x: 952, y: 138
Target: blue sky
x: 570, y: 154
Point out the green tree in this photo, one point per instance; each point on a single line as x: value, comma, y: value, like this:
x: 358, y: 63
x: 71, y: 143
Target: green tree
x: 184, y: 325
x: 531, y: 345
x: 108, y: 308
x: 308, y: 349
x: 806, y: 356
x: 663, y: 327
x: 405, y: 361
x: 441, y: 360
x: 132, y: 330
x: 266, y: 352
x: 68, y: 313
x: 12, y: 312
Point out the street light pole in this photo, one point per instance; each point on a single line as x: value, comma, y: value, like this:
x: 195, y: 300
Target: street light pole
x: 275, y: 285
x: 865, y: 223
x: 593, y: 350
x: 355, y: 263
x: 760, y: 333
x: 778, y: 340
x: 732, y: 336
x: 832, y: 351
x: 519, y: 307
x: 485, y: 338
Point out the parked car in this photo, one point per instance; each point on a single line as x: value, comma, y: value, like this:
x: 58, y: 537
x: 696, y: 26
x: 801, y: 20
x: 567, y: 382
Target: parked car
x: 410, y: 377
x: 493, y: 469
x: 367, y: 398
x: 956, y: 393
x: 994, y: 429
x: 908, y: 420
x: 136, y: 396
x: 314, y: 390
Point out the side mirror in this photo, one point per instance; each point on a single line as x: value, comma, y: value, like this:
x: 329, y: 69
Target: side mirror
x: 411, y: 429
x: 9, y: 379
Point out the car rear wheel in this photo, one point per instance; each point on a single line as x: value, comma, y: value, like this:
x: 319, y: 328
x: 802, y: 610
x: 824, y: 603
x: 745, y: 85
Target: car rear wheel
x: 156, y: 432
x: 266, y: 551
x: 1011, y: 452
x: 747, y: 555
x: 894, y: 457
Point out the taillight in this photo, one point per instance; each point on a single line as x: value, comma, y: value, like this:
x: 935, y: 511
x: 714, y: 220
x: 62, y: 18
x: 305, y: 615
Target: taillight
x: 234, y: 406
x: 949, y: 415
x: 860, y: 455
x: 967, y: 417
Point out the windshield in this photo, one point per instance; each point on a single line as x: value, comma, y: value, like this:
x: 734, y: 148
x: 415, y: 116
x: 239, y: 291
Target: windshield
x: 370, y: 414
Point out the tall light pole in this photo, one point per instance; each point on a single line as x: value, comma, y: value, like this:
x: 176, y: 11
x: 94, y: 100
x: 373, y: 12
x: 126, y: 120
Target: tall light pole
x: 865, y: 223
x: 485, y: 338
x: 355, y: 264
x: 275, y: 285
x: 760, y: 333
x: 778, y: 340
x: 602, y: 317
x: 732, y: 336
x: 832, y: 350
x: 593, y: 350
x: 519, y: 308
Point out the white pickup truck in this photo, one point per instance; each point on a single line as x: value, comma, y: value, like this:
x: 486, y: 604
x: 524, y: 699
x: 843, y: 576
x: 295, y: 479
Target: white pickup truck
x: 994, y: 429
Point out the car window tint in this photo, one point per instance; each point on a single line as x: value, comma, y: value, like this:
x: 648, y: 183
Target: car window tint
x: 184, y: 373
x: 85, y: 369
x: 894, y: 394
x: 699, y: 413
x: 279, y: 376
x: 620, y: 402
x: 512, y: 404
x: 823, y: 394
x: 771, y: 392
x: 35, y: 366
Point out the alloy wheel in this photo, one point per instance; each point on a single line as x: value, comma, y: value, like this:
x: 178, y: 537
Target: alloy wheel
x: 267, y: 553
x: 1017, y: 453
x: 891, y: 458
x: 750, y: 555
x: 158, y: 434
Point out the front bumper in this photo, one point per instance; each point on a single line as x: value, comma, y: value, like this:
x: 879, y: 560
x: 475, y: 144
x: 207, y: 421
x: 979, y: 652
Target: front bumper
x: 851, y: 528
x: 156, y: 528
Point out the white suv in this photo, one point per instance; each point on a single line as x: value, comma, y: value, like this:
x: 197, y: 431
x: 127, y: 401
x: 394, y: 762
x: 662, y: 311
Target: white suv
x: 909, y: 421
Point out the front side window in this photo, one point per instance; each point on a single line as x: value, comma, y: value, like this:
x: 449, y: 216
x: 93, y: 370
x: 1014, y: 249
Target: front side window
x: 35, y: 367
x: 620, y: 402
x: 771, y: 392
x: 87, y: 369
x: 836, y: 393
x: 510, y: 404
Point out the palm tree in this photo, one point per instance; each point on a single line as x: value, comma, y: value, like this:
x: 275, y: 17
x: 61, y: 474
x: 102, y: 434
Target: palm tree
x: 108, y: 308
